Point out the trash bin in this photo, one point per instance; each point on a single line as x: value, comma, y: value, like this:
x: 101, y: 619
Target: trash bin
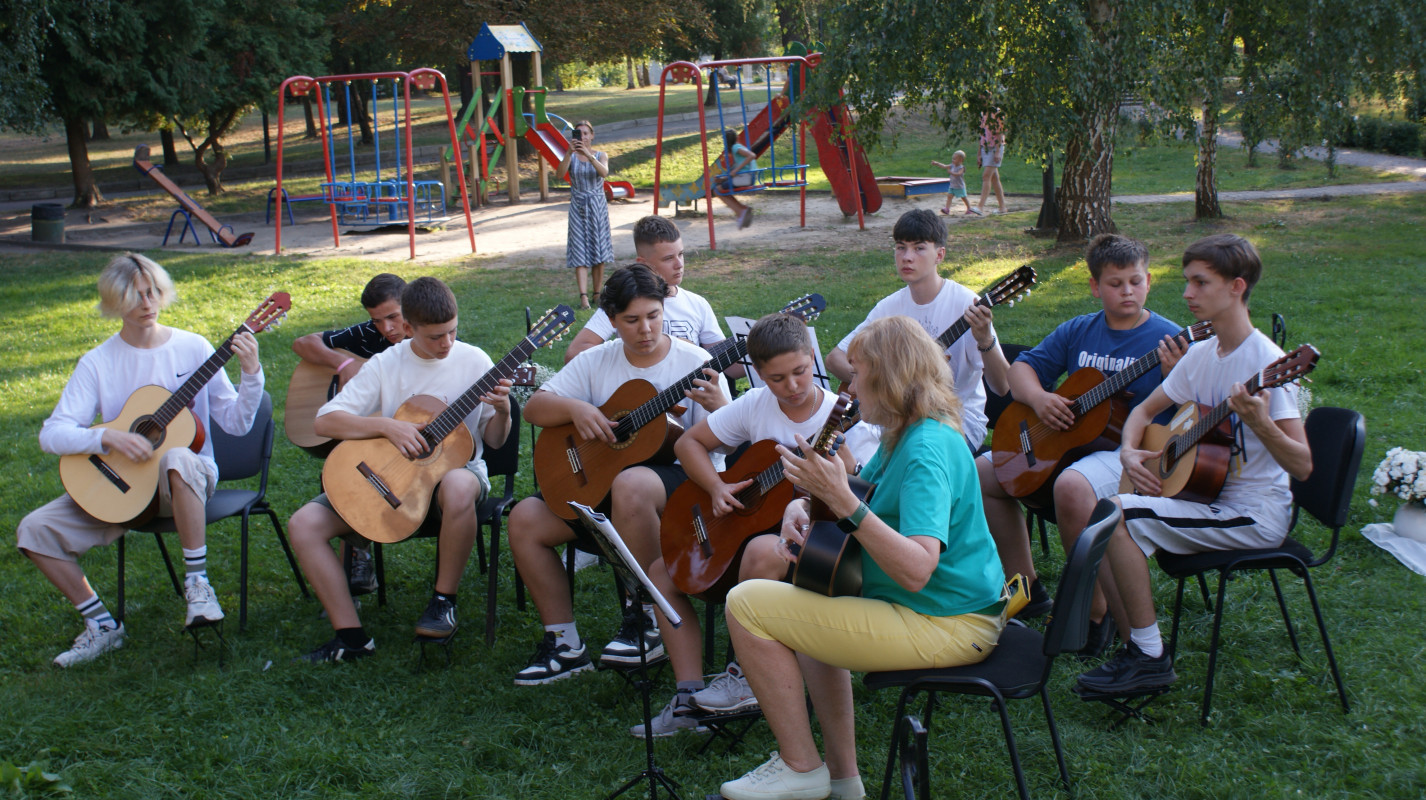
x: 47, y: 223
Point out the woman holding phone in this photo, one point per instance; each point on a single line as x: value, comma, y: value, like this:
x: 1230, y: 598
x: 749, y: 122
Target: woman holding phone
x: 588, y: 245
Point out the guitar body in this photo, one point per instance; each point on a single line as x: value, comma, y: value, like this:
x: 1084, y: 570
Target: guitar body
x: 1193, y: 472
x: 1028, y: 454
x: 571, y: 467
x: 312, y: 385
x: 708, y: 572
x: 357, y: 468
x: 830, y: 561
x: 112, y: 488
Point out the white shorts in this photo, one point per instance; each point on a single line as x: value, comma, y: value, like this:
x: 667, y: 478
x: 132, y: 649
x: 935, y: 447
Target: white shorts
x: 1103, y: 470
x: 1183, y: 526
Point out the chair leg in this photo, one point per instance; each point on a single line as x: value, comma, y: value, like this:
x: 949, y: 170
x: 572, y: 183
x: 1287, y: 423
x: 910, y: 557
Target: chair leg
x: 168, y: 562
x: 897, y: 731
x: 1326, y: 643
x: 1286, y: 619
x: 1055, y: 740
x: 287, y: 550
x: 915, y: 763
x: 1010, y: 745
x: 1177, y: 609
x: 243, y: 576
x: 119, y: 590
x: 1044, y: 540
x: 1213, y: 647
x: 480, y: 550
x: 1203, y: 587
x: 492, y: 580
x: 378, y: 554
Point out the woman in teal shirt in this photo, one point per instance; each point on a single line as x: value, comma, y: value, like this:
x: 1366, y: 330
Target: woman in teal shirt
x: 932, y: 581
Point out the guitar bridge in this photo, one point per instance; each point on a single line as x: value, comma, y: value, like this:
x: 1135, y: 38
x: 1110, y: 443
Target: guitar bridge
x: 109, y: 473
x: 1025, y: 446
x: 700, y: 532
x: 380, y: 485
x: 575, y: 465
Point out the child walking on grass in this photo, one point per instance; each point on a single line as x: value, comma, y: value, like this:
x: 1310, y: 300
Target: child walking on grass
x: 957, y: 187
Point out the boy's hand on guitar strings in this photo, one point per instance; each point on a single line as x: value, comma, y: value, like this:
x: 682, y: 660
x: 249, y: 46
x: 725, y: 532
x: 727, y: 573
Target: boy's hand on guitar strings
x: 1144, y: 480
x: 705, y: 392
x: 499, y: 396
x: 1170, y: 351
x: 592, y: 424
x: 133, y: 446
x: 244, y: 346
x: 1252, y: 409
x: 406, y: 438
x: 1054, y: 410
x: 725, y: 500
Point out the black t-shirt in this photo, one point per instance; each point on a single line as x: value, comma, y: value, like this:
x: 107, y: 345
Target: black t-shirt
x: 362, y: 340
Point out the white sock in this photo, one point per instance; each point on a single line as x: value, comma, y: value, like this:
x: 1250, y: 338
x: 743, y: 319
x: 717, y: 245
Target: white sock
x: 195, y: 563
x: 1149, y: 641
x: 649, y: 612
x: 565, y: 633
x: 95, y: 613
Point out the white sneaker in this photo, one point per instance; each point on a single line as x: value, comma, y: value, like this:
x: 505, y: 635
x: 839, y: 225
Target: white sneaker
x: 774, y: 780
x: 726, y: 693
x: 203, y: 608
x: 847, y: 789
x: 89, y: 645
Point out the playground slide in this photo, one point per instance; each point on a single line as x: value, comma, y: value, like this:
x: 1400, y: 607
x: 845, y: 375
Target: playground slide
x: 551, y: 144
x: 840, y: 158
x: 224, y: 233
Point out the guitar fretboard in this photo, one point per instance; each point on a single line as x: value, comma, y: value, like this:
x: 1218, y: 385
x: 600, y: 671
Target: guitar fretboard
x: 1120, y: 380
x: 439, y: 428
x: 673, y: 394
x: 183, y: 396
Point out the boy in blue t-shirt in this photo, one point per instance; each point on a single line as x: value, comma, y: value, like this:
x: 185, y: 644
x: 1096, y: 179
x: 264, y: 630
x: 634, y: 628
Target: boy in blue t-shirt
x: 1108, y: 340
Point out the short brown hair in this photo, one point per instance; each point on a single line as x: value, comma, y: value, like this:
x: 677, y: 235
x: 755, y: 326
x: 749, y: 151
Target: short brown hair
x: 654, y: 229
x: 381, y: 288
x: 1230, y: 256
x: 628, y: 283
x: 428, y: 301
x: 1111, y: 249
x: 776, y: 334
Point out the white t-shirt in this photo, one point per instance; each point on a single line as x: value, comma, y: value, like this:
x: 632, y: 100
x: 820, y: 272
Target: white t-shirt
x: 1255, y: 480
x: 756, y: 416
x: 686, y: 316
x: 595, y: 374
x: 945, y: 310
x: 396, y: 375
x: 108, y: 374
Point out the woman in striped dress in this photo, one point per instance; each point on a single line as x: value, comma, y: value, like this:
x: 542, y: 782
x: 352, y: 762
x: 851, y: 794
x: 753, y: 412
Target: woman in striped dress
x: 588, y: 244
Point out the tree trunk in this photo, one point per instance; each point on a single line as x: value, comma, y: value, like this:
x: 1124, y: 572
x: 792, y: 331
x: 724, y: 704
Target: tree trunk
x: 1205, y: 193
x: 311, y: 120
x: 86, y: 193
x: 362, y: 112
x: 170, y: 153
x: 1084, y: 194
x: 792, y: 23
x: 644, y: 79
x: 212, y: 171
x: 629, y: 69
x: 101, y: 130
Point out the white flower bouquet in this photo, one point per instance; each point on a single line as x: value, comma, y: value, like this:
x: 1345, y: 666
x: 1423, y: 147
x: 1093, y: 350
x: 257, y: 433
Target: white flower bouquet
x: 1402, y: 473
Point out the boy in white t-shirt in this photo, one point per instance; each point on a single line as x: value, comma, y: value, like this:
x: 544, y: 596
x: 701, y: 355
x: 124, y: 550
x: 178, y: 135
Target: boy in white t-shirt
x: 429, y: 362
x: 142, y: 353
x: 790, y: 405
x: 937, y: 303
x: 633, y: 298
x: 1255, y: 506
x: 687, y: 315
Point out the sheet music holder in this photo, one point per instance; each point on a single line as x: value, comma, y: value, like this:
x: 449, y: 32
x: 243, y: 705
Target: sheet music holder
x: 636, y: 582
x: 739, y: 327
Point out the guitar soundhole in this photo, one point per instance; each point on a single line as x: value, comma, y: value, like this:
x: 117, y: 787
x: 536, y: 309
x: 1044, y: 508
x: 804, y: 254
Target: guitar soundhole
x: 148, y: 428
x: 620, y: 444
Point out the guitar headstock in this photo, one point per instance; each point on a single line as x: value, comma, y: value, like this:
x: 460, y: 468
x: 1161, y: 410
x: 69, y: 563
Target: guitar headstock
x: 551, y: 326
x: 1290, y: 367
x: 524, y: 375
x: 270, y: 313
x: 807, y: 307
x: 827, y: 439
x: 1200, y: 331
x: 1012, y: 288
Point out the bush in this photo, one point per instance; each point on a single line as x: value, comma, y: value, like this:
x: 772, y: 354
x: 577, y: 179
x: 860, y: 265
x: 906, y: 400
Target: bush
x: 1378, y: 135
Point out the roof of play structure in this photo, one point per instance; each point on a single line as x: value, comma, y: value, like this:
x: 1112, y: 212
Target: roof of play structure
x: 494, y: 41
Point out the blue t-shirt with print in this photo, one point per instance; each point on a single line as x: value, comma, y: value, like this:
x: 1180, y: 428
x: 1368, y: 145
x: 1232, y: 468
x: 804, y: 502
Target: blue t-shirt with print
x: 1088, y: 341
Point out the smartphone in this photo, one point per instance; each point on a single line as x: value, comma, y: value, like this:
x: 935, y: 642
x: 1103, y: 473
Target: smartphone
x: 577, y: 135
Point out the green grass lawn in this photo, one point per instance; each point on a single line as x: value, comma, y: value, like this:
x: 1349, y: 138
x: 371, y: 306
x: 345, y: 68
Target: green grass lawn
x: 151, y: 721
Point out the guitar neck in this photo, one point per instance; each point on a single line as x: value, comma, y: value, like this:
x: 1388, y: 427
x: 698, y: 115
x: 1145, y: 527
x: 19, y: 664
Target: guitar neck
x: 183, y: 396
x: 775, y: 473
x: 1120, y: 380
x: 1214, y: 417
x: 950, y: 335
x: 673, y: 394
x: 439, y: 428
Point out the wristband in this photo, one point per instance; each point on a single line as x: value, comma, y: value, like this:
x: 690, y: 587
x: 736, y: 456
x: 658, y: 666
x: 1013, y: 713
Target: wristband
x: 994, y: 340
x: 344, y: 364
x: 850, y: 524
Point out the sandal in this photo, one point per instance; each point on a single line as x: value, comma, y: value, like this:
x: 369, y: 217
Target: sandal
x: 584, y: 299
x: 945, y: 212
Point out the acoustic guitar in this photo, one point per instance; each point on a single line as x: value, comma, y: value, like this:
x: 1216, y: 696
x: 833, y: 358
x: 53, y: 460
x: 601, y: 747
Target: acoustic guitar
x: 111, y: 487
x: 1006, y: 291
x: 1197, y: 442
x: 702, y: 551
x: 1028, y: 454
x: 570, y: 467
x: 829, y: 562
x: 383, y: 495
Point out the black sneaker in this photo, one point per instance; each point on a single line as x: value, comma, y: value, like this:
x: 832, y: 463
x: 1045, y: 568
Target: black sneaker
x: 553, y: 662
x: 623, y: 649
x: 334, y: 652
x: 439, y: 619
x: 1128, y: 671
x: 1040, y: 602
x: 361, y: 571
x: 1101, y: 636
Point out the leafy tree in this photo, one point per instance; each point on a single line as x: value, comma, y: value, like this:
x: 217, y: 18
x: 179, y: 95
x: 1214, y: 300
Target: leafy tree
x: 24, y: 102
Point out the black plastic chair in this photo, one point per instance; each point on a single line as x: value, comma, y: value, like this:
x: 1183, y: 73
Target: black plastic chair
x: 1336, y: 437
x: 502, y: 461
x: 1018, y: 667
x: 239, y: 458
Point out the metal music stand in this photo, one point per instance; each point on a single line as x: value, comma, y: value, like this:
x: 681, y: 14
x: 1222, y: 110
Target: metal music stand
x: 638, y: 586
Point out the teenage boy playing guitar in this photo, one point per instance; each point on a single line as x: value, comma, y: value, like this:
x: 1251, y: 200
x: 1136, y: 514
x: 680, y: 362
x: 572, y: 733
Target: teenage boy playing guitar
x: 937, y: 303
x: 142, y: 353
x: 1123, y: 331
x: 1255, y: 507
x: 791, y: 404
x: 382, y: 300
x: 633, y: 298
x: 429, y: 362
